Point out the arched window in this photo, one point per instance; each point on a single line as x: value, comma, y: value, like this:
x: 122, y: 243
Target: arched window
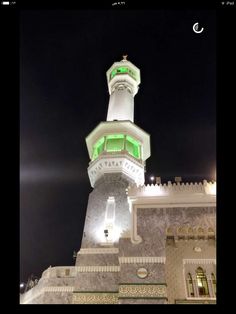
x: 202, y: 285
x: 190, y: 285
x: 213, y: 279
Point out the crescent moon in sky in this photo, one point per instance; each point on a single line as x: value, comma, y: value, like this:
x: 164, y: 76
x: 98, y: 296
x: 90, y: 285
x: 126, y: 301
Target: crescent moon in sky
x: 195, y: 28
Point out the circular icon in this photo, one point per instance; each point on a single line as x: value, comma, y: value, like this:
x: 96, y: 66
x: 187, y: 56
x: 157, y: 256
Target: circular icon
x: 196, y: 28
x: 142, y: 273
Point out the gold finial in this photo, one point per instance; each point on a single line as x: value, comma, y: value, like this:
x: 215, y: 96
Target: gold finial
x: 125, y: 57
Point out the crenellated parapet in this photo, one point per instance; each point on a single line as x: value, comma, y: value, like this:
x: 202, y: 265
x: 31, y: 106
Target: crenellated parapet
x: 159, y: 190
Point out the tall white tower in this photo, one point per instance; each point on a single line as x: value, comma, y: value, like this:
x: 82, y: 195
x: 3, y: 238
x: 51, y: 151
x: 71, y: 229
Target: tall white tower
x: 123, y: 79
x: 118, y: 149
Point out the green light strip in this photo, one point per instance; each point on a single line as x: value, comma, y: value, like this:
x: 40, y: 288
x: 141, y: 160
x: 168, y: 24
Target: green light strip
x: 116, y: 143
x: 132, y: 140
x: 115, y: 136
x: 123, y: 70
x: 98, y: 148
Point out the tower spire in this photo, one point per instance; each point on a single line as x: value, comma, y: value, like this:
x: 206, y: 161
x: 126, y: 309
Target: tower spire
x: 125, y: 56
x: 123, y: 79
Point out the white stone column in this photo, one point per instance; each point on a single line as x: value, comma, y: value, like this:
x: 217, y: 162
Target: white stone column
x: 210, y: 286
x: 195, y: 287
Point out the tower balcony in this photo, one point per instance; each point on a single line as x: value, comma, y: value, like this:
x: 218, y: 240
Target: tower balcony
x: 121, y: 162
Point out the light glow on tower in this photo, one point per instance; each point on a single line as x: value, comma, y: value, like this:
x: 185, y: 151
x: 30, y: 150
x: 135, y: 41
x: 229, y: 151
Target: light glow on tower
x: 117, y: 143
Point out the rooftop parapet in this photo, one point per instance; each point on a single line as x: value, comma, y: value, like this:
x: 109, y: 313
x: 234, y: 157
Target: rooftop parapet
x: 205, y: 188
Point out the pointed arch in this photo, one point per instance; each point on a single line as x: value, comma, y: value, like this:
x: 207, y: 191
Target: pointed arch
x: 213, y: 280
x: 190, y: 230
x: 189, y: 282
x: 202, y: 284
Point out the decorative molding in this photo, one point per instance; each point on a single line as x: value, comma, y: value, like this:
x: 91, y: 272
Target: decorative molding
x: 196, y: 301
x: 95, y: 298
x: 141, y: 291
x: 142, y: 259
x: 135, y: 238
x: 95, y: 269
x: 99, y: 251
x: 122, y: 163
x: 58, y: 289
x: 168, y: 202
x: 198, y: 298
x: 199, y: 261
x: 190, y: 232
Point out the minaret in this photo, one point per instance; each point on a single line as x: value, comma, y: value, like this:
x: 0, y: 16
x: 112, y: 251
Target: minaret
x: 123, y: 79
x: 117, y: 149
x: 139, y: 244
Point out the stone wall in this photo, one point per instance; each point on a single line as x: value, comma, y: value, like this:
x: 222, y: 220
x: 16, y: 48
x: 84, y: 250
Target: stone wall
x: 109, y: 185
x: 97, y: 281
x: 170, y: 239
x: 97, y: 259
x: 176, y: 252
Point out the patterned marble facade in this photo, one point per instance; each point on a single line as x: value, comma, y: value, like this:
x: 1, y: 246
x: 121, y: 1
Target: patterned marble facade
x: 175, y: 241
x: 95, y: 298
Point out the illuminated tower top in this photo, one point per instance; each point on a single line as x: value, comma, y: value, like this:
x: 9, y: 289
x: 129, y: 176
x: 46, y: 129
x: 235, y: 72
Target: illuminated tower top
x: 123, y: 79
x: 118, y: 145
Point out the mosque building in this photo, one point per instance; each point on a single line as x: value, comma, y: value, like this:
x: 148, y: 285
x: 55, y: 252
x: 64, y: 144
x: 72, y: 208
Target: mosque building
x: 142, y: 244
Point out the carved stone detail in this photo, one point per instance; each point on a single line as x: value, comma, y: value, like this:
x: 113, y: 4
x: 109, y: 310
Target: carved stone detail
x: 142, y: 259
x: 92, y: 269
x: 95, y: 298
x: 123, y: 163
x: 199, y: 261
x: 58, y: 289
x: 208, y: 188
x: 141, y: 291
x: 99, y: 251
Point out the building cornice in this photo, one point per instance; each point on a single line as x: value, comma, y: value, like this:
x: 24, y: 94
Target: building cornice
x: 142, y: 259
x: 94, y: 269
x: 98, y: 251
x: 116, y: 164
x: 199, y: 261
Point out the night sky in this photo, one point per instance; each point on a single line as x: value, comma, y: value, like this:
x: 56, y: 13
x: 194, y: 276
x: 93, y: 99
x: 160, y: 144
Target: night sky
x: 64, y: 56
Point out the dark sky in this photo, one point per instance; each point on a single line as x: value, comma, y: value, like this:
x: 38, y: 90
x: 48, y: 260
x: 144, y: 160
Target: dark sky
x: 64, y: 56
